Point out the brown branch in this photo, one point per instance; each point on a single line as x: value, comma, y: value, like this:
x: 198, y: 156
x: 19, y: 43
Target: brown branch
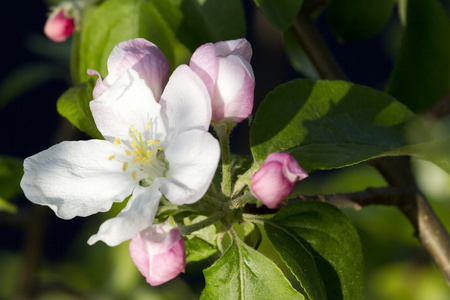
x: 356, y: 200
x: 396, y: 170
x: 315, y: 46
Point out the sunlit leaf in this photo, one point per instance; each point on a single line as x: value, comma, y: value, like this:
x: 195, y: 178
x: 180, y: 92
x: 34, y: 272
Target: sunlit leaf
x: 328, y: 124
x: 74, y: 106
x: 198, y: 249
x: 244, y: 273
x: 116, y: 21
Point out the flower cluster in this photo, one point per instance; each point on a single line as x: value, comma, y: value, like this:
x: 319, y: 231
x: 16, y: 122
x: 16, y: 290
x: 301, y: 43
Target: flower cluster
x: 156, y: 144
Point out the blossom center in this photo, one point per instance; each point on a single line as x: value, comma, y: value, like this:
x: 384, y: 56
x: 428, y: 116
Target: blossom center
x: 147, y: 160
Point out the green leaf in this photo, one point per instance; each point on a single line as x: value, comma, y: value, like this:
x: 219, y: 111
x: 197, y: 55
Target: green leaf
x: 252, y: 235
x: 422, y: 72
x: 198, y: 249
x: 302, y: 264
x: 74, y: 106
x: 244, y: 273
x: 328, y: 124
x: 332, y: 240
x: 370, y: 16
x: 298, y: 57
x: 116, y: 21
x: 280, y: 13
x: 436, y: 151
x: 208, y: 21
x: 11, y: 172
x: 6, y: 206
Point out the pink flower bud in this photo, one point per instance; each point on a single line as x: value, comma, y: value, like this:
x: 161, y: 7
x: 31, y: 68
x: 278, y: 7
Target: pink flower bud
x: 276, y: 178
x: 140, y: 55
x: 158, y: 253
x: 225, y: 69
x: 59, y: 25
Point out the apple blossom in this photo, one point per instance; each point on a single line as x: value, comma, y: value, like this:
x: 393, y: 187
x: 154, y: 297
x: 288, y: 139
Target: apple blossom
x: 276, y: 178
x: 158, y: 252
x: 150, y: 149
x: 225, y: 69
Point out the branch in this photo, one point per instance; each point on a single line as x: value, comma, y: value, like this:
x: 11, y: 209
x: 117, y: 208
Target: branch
x: 396, y: 170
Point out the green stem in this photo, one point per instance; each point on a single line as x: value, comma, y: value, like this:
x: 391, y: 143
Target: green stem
x: 241, y: 201
x: 186, y: 230
x: 253, y: 219
x: 222, y: 131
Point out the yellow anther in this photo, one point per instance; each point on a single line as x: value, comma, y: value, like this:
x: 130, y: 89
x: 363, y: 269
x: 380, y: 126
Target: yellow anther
x: 156, y: 141
x: 159, y: 148
x: 147, y: 126
x: 117, y: 141
x: 111, y: 157
x: 128, y: 152
x: 133, y: 174
x: 125, y: 166
x: 136, y: 152
x: 132, y: 128
x: 135, y: 159
x: 149, y: 143
x: 133, y: 144
x: 149, y: 153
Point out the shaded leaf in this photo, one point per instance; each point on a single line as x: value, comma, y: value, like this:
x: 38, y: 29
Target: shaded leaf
x: 422, y: 72
x: 301, y: 263
x: 370, y: 16
x: 298, y: 57
x: 11, y: 172
x: 280, y: 13
x: 332, y: 240
x: 209, y: 21
x: 252, y: 235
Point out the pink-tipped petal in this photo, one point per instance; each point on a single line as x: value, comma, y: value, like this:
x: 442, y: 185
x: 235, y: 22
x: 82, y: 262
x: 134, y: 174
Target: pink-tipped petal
x: 204, y: 64
x: 276, y: 178
x: 145, y: 58
x: 158, y: 252
x: 236, y: 47
x: 226, y: 71
x: 233, y: 96
x: 99, y: 86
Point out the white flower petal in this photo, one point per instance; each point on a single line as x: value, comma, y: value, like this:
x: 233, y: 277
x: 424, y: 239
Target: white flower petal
x: 77, y: 178
x: 128, y: 102
x: 185, y: 102
x: 193, y: 157
x: 135, y: 217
